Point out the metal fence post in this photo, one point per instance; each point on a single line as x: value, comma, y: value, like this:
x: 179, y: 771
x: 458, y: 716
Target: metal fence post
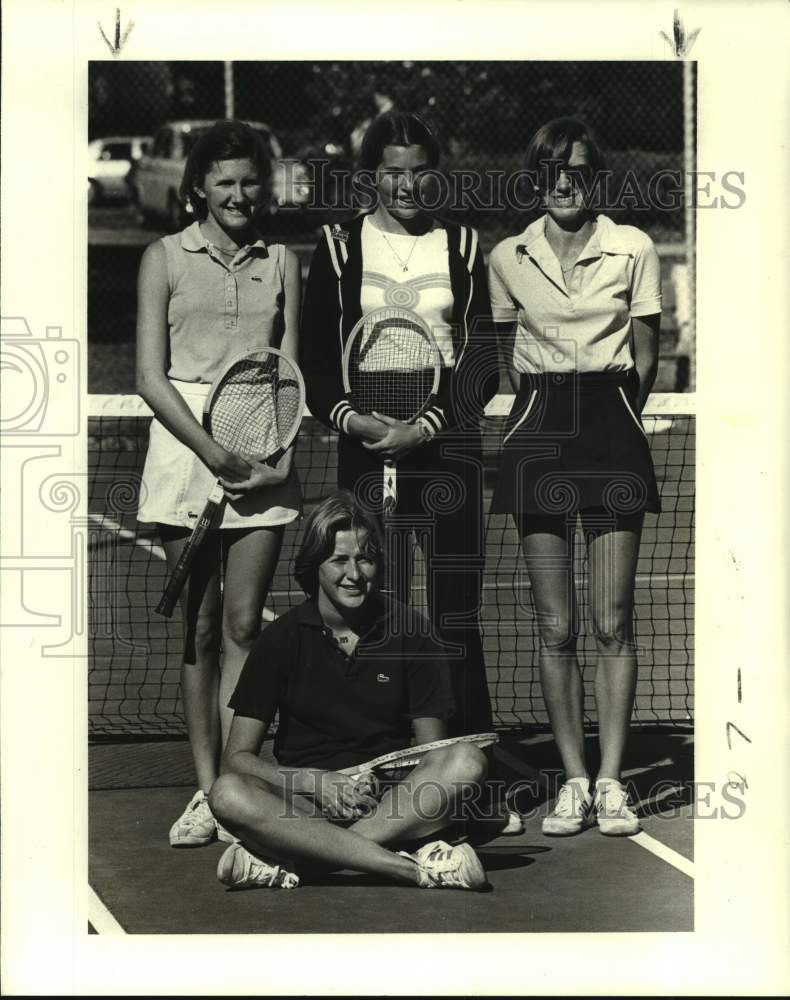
x: 230, y: 103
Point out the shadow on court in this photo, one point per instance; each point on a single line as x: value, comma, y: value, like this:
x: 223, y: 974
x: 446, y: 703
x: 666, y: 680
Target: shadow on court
x: 584, y: 883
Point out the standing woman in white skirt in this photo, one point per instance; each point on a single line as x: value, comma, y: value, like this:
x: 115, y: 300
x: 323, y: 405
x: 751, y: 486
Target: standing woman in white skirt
x: 579, y: 298
x: 206, y: 295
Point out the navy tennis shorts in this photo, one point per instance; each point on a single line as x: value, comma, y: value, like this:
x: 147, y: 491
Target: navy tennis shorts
x: 573, y: 441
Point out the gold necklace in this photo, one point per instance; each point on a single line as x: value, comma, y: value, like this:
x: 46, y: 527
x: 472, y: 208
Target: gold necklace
x: 404, y: 264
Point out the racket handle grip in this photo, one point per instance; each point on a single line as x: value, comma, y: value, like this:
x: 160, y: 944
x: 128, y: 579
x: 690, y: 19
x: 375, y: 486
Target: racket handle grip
x: 179, y: 575
x: 188, y: 554
x: 172, y: 593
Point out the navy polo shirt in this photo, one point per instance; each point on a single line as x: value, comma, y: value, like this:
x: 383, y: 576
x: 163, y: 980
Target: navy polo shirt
x: 337, y: 710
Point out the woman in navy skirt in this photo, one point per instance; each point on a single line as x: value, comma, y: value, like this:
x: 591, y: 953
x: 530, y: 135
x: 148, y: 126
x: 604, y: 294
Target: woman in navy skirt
x: 577, y: 301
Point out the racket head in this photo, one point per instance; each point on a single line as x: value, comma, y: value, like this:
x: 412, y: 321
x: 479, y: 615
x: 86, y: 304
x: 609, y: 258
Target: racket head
x: 391, y: 364
x: 256, y: 404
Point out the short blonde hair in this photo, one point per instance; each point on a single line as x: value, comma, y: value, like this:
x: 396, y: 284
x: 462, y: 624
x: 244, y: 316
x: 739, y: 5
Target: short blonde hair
x: 339, y: 512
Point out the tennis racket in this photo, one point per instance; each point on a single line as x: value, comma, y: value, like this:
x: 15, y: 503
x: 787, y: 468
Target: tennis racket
x: 392, y: 366
x: 254, y: 409
x: 412, y: 756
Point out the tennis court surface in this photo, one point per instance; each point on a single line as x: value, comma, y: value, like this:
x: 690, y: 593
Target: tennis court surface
x: 140, y: 885
x: 140, y: 767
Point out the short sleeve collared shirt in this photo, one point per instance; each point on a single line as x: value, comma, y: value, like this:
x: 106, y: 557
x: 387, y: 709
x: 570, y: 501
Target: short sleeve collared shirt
x: 580, y: 323
x: 337, y: 710
x: 220, y: 306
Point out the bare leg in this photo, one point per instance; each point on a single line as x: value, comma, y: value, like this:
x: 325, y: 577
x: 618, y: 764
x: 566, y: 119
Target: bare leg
x: 250, y: 560
x: 426, y: 800
x: 273, y: 824
x: 549, y: 557
x: 200, y: 611
x: 612, y: 561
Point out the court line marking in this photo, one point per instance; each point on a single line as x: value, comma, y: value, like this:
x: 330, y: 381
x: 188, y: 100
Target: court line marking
x: 645, y: 579
x: 642, y: 839
x: 107, y: 522
x: 516, y: 764
x: 632, y: 772
x: 653, y: 800
x: 663, y: 852
x: 100, y: 917
x: 156, y: 550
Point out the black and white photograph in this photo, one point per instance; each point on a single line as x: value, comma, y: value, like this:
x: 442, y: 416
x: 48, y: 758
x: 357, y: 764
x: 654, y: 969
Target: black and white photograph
x: 538, y: 425
x: 388, y: 423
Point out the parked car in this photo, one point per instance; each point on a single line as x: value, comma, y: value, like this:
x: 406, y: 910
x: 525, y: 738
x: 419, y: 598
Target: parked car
x: 156, y: 177
x: 109, y: 161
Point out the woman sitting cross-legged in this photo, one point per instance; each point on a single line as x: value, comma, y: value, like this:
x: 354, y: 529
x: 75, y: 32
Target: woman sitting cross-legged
x: 351, y: 673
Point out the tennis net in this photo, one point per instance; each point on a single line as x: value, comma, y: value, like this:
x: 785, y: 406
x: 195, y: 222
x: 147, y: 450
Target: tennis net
x: 135, y: 655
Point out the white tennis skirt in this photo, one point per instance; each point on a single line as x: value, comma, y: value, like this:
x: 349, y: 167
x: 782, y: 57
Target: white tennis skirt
x: 176, y: 484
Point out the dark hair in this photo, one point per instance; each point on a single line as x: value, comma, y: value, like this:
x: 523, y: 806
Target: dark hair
x: 339, y: 512
x: 225, y: 140
x: 397, y: 128
x: 553, y: 142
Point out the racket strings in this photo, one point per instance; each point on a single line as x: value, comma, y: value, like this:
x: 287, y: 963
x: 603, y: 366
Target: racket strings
x: 392, y: 367
x: 257, y: 406
x: 288, y: 405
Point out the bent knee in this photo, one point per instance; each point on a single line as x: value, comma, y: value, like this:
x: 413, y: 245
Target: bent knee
x: 228, y: 797
x: 461, y: 762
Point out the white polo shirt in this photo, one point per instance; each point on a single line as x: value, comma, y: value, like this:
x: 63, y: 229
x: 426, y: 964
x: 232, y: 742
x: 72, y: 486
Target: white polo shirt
x: 220, y: 308
x: 582, y: 323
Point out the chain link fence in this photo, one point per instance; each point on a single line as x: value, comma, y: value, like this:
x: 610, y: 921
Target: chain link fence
x: 483, y: 112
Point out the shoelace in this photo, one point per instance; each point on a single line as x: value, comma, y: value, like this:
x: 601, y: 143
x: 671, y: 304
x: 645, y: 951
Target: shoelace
x: 197, y: 814
x: 567, y: 802
x: 273, y: 875
x: 287, y: 880
x: 613, y: 800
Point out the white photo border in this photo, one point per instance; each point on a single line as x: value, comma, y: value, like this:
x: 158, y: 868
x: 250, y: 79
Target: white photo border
x: 741, y: 912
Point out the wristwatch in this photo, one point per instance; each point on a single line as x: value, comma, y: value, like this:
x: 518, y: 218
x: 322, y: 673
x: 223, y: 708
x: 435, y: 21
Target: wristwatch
x: 425, y: 428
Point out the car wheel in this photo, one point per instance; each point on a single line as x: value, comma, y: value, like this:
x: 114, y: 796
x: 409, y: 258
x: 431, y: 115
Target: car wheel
x: 94, y: 192
x: 176, y: 216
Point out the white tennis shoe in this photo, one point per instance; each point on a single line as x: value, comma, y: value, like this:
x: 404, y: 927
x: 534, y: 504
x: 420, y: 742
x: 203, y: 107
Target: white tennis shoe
x: 239, y: 869
x: 572, y: 811
x: 514, y: 824
x: 225, y: 835
x: 613, y: 811
x: 196, y: 826
x: 441, y: 866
